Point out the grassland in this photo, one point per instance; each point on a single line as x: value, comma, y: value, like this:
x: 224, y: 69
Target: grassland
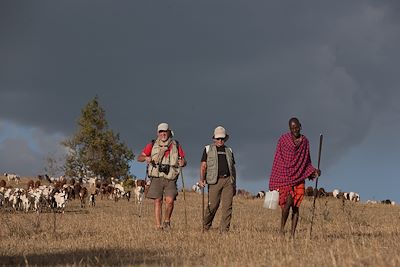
x: 112, y: 234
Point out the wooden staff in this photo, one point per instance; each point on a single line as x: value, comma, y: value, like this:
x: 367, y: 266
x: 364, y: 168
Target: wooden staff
x: 202, y: 209
x: 145, y: 183
x: 316, y: 183
x: 184, y: 195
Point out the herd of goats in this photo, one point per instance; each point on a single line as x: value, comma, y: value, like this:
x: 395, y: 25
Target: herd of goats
x: 310, y: 192
x: 50, y: 194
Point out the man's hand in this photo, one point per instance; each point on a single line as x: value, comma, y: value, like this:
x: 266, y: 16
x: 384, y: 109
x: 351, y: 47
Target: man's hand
x: 316, y: 173
x: 181, y: 162
x: 202, y: 183
x: 148, y: 160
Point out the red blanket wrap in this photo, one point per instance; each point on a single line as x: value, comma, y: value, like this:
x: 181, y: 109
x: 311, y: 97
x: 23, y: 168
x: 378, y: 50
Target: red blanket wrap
x: 292, y: 164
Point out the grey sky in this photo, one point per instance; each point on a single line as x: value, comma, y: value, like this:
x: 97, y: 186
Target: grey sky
x: 248, y: 66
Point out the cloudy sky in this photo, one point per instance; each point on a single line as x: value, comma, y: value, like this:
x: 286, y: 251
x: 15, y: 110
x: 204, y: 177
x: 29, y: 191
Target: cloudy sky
x: 246, y: 65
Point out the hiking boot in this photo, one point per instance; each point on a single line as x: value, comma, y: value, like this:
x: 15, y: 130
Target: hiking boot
x: 167, y: 225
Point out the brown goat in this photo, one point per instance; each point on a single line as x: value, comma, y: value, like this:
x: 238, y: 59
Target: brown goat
x: 30, y: 184
x: 83, y: 195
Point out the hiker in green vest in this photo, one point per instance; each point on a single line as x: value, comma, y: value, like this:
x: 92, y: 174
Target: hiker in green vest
x: 217, y: 169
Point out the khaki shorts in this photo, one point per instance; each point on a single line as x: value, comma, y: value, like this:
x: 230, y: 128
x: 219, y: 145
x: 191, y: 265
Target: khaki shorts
x: 160, y: 187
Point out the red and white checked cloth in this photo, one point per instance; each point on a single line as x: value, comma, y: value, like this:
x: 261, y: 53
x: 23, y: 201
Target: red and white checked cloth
x: 292, y: 162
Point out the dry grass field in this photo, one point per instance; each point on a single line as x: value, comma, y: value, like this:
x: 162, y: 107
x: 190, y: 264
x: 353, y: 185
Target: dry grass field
x: 112, y: 234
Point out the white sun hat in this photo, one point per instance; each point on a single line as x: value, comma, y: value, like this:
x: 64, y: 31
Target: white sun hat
x: 220, y: 132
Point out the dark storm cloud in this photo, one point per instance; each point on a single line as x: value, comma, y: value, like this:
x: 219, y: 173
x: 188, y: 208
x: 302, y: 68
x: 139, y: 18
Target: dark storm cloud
x: 197, y: 64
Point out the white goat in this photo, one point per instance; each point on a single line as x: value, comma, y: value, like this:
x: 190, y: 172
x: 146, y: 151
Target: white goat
x: 61, y: 200
x: 196, y: 188
x: 13, y: 177
x: 336, y: 193
x: 139, y: 194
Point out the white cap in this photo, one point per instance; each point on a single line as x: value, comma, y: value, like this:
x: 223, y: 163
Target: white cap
x: 163, y: 127
x: 220, y: 132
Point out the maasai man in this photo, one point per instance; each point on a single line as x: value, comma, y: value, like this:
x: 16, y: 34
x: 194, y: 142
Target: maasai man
x: 292, y: 165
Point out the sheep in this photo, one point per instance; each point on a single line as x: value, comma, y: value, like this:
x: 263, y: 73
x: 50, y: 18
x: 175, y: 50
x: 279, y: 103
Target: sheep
x: 139, y: 194
x: 60, y: 200
x: 92, y: 200
x: 260, y: 194
x: 388, y: 201
x: 15, y: 198
x: 77, y: 189
x: 196, y: 188
x: 30, y: 184
x: 128, y: 195
x: 346, y: 196
x: 25, y: 202
x: 321, y: 192
x: 92, y: 181
x: 336, y: 193
x: 37, y: 184
x: 309, y: 191
x: 1, y: 199
x: 82, y: 196
x: 354, y: 196
x: 13, y: 177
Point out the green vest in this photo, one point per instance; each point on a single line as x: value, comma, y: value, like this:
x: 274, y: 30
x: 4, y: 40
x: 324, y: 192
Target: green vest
x: 212, y: 164
x: 171, y: 160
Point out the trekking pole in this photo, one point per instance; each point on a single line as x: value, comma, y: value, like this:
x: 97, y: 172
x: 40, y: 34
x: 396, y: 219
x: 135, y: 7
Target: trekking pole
x: 202, y: 209
x: 316, y: 183
x: 142, y: 200
x: 184, y: 195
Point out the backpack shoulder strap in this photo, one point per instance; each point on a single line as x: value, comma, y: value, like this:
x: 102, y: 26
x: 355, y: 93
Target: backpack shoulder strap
x: 207, y: 148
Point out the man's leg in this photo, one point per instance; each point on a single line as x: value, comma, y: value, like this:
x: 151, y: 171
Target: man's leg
x: 158, y: 212
x: 169, y: 207
x: 171, y: 191
x: 226, y: 209
x: 285, y: 212
x: 155, y: 193
x: 295, y: 218
x: 214, y: 197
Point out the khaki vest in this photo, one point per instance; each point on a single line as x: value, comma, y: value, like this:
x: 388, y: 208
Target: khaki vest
x: 212, y: 164
x: 171, y: 159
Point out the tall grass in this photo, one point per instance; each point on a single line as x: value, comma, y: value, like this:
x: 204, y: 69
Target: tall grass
x: 112, y: 234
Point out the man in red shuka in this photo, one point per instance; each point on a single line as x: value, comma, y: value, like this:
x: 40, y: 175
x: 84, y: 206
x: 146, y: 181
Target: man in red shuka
x: 292, y: 165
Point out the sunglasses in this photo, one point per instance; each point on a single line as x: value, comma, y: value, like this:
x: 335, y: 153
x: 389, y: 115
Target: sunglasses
x: 162, y: 131
x: 220, y: 139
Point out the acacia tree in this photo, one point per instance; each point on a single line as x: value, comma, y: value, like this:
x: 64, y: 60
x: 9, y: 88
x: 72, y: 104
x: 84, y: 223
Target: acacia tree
x: 94, y: 149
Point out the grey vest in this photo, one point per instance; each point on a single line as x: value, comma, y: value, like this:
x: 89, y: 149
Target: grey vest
x: 212, y: 164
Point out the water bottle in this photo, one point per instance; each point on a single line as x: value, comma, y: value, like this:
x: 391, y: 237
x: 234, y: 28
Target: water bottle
x: 271, y: 200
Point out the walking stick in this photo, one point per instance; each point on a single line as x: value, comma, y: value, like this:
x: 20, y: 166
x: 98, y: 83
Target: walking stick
x: 145, y: 183
x: 316, y: 183
x: 184, y: 195
x: 202, y: 209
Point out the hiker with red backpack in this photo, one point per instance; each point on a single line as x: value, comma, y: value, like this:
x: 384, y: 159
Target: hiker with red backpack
x: 164, y: 157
